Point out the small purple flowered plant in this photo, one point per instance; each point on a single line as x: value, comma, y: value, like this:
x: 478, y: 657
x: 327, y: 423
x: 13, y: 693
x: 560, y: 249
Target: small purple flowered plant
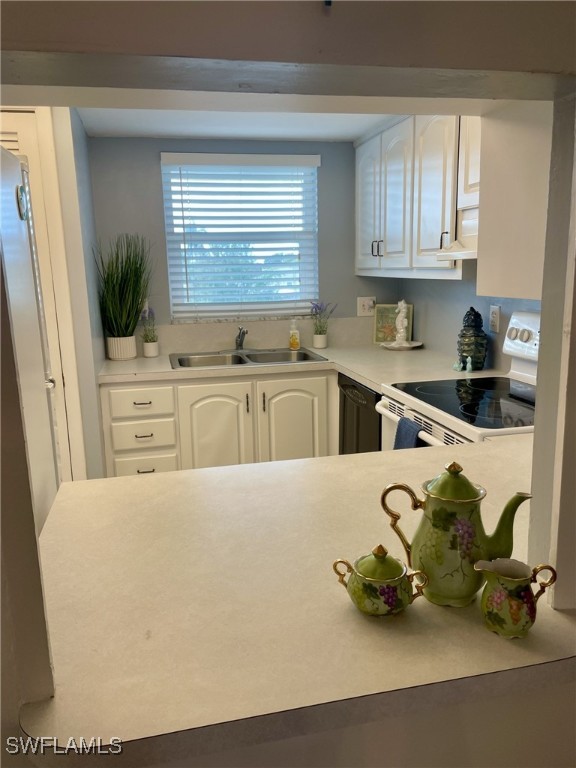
x: 149, y: 332
x: 320, y: 315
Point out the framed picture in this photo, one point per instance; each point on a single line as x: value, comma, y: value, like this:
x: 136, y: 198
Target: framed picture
x: 385, y: 322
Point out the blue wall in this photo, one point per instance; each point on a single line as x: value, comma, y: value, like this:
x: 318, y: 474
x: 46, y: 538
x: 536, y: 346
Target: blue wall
x: 127, y: 194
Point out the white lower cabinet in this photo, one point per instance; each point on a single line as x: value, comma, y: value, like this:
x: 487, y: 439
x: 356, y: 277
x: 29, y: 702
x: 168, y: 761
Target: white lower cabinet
x: 145, y: 465
x: 140, y: 430
x: 262, y: 419
x: 292, y: 418
x: 216, y: 424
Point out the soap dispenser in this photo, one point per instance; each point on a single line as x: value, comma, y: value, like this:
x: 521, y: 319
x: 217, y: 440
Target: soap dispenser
x: 294, y: 342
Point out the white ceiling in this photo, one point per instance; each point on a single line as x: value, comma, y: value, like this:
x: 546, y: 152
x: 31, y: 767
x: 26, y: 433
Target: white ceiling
x: 225, y: 115
x: 202, y: 124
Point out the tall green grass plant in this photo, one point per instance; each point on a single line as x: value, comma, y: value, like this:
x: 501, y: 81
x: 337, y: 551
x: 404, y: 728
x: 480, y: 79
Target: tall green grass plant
x: 124, y: 278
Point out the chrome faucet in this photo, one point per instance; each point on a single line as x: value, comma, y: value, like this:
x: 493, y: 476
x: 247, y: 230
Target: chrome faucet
x: 242, y: 333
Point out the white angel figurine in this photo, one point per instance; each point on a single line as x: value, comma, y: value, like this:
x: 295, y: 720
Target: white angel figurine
x: 401, y: 324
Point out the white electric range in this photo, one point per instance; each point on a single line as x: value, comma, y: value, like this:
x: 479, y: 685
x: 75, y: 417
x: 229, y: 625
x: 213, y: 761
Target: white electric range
x: 471, y: 407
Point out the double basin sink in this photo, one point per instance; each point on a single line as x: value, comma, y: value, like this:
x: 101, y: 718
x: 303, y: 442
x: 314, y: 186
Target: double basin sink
x: 242, y: 357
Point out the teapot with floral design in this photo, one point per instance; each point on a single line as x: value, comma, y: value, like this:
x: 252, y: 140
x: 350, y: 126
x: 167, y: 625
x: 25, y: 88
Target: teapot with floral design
x: 450, y: 537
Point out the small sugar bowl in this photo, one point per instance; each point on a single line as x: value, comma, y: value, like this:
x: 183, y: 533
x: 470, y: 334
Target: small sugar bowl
x: 379, y: 584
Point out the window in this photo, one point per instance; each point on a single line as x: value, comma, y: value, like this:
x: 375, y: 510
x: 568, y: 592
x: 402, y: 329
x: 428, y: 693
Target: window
x: 241, y: 233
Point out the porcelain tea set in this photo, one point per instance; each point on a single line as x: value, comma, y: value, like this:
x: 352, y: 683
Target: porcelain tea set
x: 452, y: 556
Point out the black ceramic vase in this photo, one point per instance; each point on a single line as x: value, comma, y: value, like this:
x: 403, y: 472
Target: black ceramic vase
x: 472, y: 341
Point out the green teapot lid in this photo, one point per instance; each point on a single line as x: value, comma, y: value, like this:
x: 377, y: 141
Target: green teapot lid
x: 453, y: 486
x: 379, y: 565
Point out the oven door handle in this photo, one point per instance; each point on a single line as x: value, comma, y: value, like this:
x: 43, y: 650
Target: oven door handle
x: 423, y: 435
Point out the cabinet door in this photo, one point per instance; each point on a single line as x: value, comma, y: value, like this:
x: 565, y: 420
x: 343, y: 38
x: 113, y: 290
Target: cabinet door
x: 216, y: 427
x: 469, y: 163
x: 435, y: 153
x: 515, y: 160
x: 465, y: 244
x: 367, y: 203
x: 396, y: 193
x: 292, y: 418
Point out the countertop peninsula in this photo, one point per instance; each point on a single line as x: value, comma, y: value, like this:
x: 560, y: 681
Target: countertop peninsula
x: 200, y: 606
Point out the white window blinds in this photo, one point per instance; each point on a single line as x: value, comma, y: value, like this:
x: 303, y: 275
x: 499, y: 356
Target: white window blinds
x: 241, y: 233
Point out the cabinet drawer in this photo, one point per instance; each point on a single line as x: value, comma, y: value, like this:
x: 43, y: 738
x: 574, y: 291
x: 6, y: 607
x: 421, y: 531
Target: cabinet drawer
x: 152, y: 401
x: 145, y: 465
x: 141, y: 435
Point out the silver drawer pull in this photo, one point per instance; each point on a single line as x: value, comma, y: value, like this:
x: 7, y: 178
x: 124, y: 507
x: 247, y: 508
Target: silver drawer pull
x: 144, y: 471
x: 148, y: 402
x: 144, y: 437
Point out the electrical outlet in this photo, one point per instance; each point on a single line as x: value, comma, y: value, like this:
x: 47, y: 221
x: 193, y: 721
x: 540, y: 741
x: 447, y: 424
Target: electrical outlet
x: 365, y: 306
x: 494, y: 318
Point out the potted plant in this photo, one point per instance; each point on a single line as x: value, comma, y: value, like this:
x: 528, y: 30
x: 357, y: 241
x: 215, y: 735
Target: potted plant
x: 320, y: 315
x: 149, y: 333
x: 124, y: 277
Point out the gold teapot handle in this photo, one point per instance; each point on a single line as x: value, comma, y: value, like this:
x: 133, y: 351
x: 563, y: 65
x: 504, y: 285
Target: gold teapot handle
x: 542, y: 584
x: 395, y: 516
x: 342, y: 575
x: 423, y: 581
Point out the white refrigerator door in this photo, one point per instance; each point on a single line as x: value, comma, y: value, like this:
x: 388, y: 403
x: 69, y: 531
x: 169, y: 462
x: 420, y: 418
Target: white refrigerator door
x: 23, y: 312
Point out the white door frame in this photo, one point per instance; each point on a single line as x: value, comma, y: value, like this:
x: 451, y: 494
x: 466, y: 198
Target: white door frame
x: 36, y: 142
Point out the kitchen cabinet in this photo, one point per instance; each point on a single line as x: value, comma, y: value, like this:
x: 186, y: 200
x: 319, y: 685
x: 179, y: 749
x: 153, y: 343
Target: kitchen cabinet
x: 259, y: 419
x: 292, y: 418
x: 384, y: 198
x: 367, y: 203
x: 216, y: 424
x: 406, y: 197
x: 469, y: 162
x: 139, y: 426
x: 463, y: 242
x: 515, y: 169
x: 435, y: 158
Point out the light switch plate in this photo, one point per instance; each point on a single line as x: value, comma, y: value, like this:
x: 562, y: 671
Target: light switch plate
x: 365, y: 306
x: 494, y: 318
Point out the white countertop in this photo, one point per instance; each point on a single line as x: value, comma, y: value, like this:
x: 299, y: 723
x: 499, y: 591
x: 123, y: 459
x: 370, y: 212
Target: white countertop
x: 190, y: 599
x: 370, y: 364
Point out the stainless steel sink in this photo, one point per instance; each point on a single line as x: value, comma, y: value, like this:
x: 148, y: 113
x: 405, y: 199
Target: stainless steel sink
x: 242, y: 357
x: 281, y: 356
x: 206, y: 359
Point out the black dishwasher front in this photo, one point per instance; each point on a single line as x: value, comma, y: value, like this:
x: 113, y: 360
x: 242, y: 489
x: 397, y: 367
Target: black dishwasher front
x: 360, y: 425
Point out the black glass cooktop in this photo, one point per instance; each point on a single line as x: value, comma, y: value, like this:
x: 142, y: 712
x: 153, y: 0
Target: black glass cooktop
x: 489, y: 403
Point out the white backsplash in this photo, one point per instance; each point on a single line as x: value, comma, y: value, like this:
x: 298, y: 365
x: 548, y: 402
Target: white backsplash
x: 262, y: 334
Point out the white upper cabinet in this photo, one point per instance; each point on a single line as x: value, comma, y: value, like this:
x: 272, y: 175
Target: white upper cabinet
x: 368, y: 203
x: 469, y: 162
x: 435, y: 158
x: 405, y: 198
x: 515, y: 166
x: 397, y: 150
x: 462, y: 242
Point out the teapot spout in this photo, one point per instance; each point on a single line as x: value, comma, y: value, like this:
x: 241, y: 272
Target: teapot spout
x: 501, y: 542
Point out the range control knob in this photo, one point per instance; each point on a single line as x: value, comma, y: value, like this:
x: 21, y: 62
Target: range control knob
x: 512, y: 333
x: 525, y: 335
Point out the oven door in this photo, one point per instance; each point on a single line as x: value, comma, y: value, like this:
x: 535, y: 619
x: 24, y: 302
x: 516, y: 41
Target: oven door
x: 431, y: 432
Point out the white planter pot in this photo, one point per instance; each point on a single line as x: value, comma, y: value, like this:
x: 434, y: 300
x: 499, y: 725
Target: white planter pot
x: 151, y: 348
x: 121, y: 347
x: 320, y: 340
